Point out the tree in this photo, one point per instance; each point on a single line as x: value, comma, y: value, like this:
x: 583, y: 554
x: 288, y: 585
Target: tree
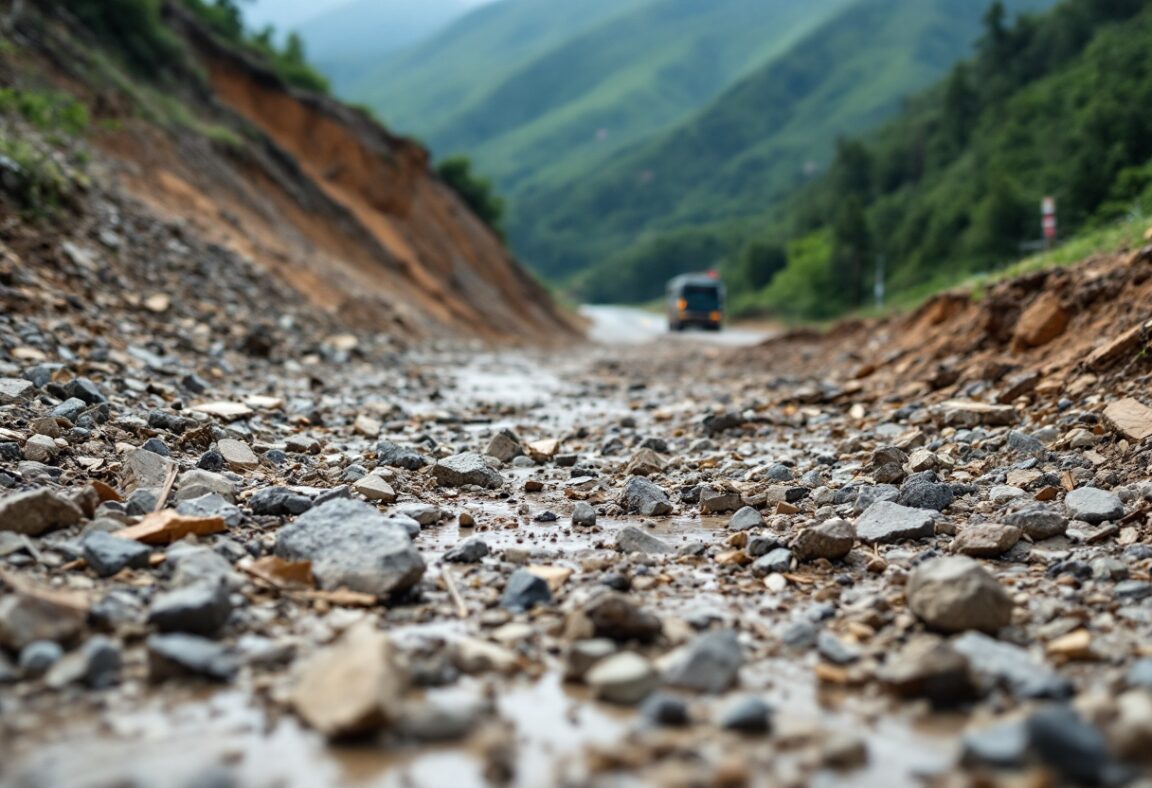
x: 758, y: 264
x: 851, y: 249
x: 477, y: 192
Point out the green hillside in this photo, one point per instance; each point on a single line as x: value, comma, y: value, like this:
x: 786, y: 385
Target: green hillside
x: 752, y: 146
x: 1054, y: 105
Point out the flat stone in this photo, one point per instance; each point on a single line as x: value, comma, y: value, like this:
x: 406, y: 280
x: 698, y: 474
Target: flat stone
x: 1131, y: 418
x: 583, y: 515
x: 581, y: 655
x: 624, y: 678
x: 616, y: 617
x: 831, y: 539
x: 746, y: 518
x: 924, y: 494
x: 773, y: 562
x: 15, y: 390
x: 179, y: 656
x: 749, y: 715
x: 1093, y: 505
x: 994, y: 664
x: 885, y: 521
x: 426, y: 514
x: 41, y: 448
x: 986, y: 540
x: 37, y: 512
x: 395, y: 456
x: 237, y: 455
x: 1038, y: 522
x: 968, y: 414
x: 279, y: 502
x: 641, y: 496
x: 928, y: 667
x: 957, y: 594
x: 645, y: 462
x: 719, y: 501
x: 466, y: 468
x: 352, y: 545
x: 228, y: 411
x: 471, y: 551
x: 352, y: 687
x: 1044, y: 320
x: 631, y: 539
x: 1072, y: 747
x: 29, y: 615
x: 198, y: 483
x: 211, y: 505
x: 107, y: 554
x: 375, y: 488
x: 710, y: 663
x: 504, y: 446
x: 146, y: 470
x: 524, y: 591
x: 198, y: 609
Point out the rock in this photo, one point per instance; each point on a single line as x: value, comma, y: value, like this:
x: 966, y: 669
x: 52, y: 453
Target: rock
x: 1038, y: 522
x: 922, y: 460
x: 198, y: 563
x: 237, y: 455
x: 107, y: 554
x: 1119, y: 347
x: 956, y: 594
x: 645, y: 462
x: 212, y: 506
x: 996, y: 664
x: 474, y: 657
x: 581, y: 655
x: 843, y: 751
x: 748, y: 715
x: 835, y: 650
x: 986, y: 540
x: 524, y: 591
x: 614, y: 616
x: 929, y: 667
x: 29, y: 615
x: 1130, y: 734
x: 1140, y: 674
x: 642, y: 497
x: 1076, y: 750
x: 466, y: 468
x: 229, y: 411
x: 168, y: 526
x: 718, y: 501
x: 352, y: 687
x: 831, y: 539
x: 1131, y: 418
x: 631, y: 539
x: 1093, y: 505
x: 624, y: 678
x: 885, y: 521
x: 179, y: 655
x: 471, y: 551
x: 504, y: 446
x: 711, y: 663
x: 96, y: 665
x: 351, y: 545
x: 279, y: 502
x: 395, y: 456
x: 375, y: 488
x: 1003, y: 745
x: 665, y: 710
x: 157, y: 446
x: 36, y: 512
x: 198, y: 483
x: 919, y: 493
x: 302, y: 444
x: 583, y: 515
x: 1043, y: 321
x: 425, y: 514
x: 15, y: 390
x: 146, y: 470
x: 200, y: 609
x: 778, y: 560
x: 41, y: 448
x: 1023, y: 443
x: 746, y: 518
x: 37, y: 657
x: 965, y: 413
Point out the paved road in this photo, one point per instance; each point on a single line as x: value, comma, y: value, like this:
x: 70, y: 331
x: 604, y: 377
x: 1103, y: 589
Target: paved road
x: 625, y: 325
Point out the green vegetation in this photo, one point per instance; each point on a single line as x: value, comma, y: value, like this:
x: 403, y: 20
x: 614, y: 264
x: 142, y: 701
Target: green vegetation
x: 134, y: 28
x: 35, y: 173
x: 477, y: 192
x: 46, y: 110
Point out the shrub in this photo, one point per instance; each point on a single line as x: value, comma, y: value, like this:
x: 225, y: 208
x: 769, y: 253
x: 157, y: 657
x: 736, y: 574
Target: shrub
x: 477, y: 192
x: 134, y: 28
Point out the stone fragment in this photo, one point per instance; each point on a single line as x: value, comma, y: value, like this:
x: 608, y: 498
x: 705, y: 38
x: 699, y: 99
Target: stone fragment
x: 198, y: 483
x: 211, y: 505
x: 15, y: 390
x: 37, y: 657
x: 641, y: 496
x: 710, y: 663
x: 930, y: 668
x: 996, y: 664
x: 179, y: 655
x: 774, y: 562
x: 471, y: 551
x: 237, y: 455
x: 923, y: 493
x: 1038, y: 522
x: 581, y: 655
x: 1131, y: 418
x: 37, y: 512
x: 645, y: 462
x: 631, y: 539
x: 831, y: 539
x: 426, y: 514
x: 351, y: 545
x: 969, y: 414
x: 31, y: 614
x: 749, y: 715
x: 956, y: 594
x: 543, y: 451
x: 41, y: 448
x: 228, y: 411
x: 466, y: 468
x: 719, y: 501
x: 279, y: 502
x: 504, y: 446
x: 665, y: 710
x: 746, y: 518
x: 1093, y: 505
x: 1073, y: 748
x: 395, y: 456
x: 615, y: 616
x: 107, y: 554
x: 202, y: 608
x: 524, y: 591
x: 146, y: 470
x: 583, y: 515
x: 375, y: 488
x: 986, y: 540
x: 885, y: 521
x: 624, y: 678
x: 96, y: 665
x: 352, y: 687
x: 1121, y: 346
x: 1044, y: 320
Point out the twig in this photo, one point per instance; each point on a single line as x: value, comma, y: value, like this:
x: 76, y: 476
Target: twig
x: 450, y: 583
x: 166, y: 490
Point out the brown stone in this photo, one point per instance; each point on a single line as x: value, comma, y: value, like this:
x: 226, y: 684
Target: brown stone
x: 237, y: 454
x: 1131, y: 418
x: 967, y: 414
x: 986, y: 540
x: 168, y: 526
x: 1044, y: 320
x: 1116, y: 349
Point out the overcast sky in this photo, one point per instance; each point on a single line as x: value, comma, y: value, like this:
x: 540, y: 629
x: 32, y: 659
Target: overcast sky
x: 287, y: 13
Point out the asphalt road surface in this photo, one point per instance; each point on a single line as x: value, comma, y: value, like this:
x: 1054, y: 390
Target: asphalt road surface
x: 625, y: 325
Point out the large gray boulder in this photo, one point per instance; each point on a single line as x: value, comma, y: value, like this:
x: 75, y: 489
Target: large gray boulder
x: 352, y: 545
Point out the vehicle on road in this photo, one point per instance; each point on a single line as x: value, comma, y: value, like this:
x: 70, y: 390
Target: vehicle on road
x: 695, y: 300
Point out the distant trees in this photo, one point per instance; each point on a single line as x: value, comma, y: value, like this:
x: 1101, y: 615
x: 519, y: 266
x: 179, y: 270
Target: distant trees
x: 477, y: 192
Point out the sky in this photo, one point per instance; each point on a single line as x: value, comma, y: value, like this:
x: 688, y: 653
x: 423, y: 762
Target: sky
x: 288, y: 13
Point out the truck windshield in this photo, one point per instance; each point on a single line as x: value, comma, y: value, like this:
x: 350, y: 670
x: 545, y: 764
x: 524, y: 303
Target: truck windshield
x: 702, y: 298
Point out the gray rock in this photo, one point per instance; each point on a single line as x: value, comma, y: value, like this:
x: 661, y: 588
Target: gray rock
x: 642, y: 497
x: 96, y: 665
x: 762, y: 545
x: 467, y: 468
x: 956, y: 594
x: 1093, y: 505
x: 41, y: 448
x: 1024, y: 444
x: 994, y: 664
x: 198, y: 483
x: 920, y: 493
x: 663, y: 709
x: 748, y: 715
x: 426, y: 514
x: 108, y: 554
x: 26, y: 617
x: 836, y: 650
x: 197, y: 564
x: 928, y: 667
x: 395, y: 456
x: 375, y: 488
x: 583, y: 515
x: 986, y: 540
x: 616, y: 617
x: 37, y: 657
x: 1003, y: 745
x: 504, y: 446
x: 778, y: 472
x: 279, y: 502
x: 212, y: 505
x: 631, y: 539
x: 179, y: 655
x: 718, y: 501
x: 778, y: 560
x: 36, y: 512
x: 198, y: 609
x: 885, y: 521
x: 624, y: 678
x: 15, y: 390
x: 146, y: 470
x: 864, y: 497
x: 1072, y: 747
x: 524, y: 591
x: 470, y: 551
x: 581, y: 655
x: 831, y: 539
x: 352, y: 545
x: 70, y: 409
x: 1038, y: 522
x: 1132, y: 590
x: 746, y: 518
x: 710, y: 663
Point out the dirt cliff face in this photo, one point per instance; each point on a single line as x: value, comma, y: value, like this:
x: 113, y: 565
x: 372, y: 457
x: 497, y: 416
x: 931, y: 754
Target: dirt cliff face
x: 323, y: 198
